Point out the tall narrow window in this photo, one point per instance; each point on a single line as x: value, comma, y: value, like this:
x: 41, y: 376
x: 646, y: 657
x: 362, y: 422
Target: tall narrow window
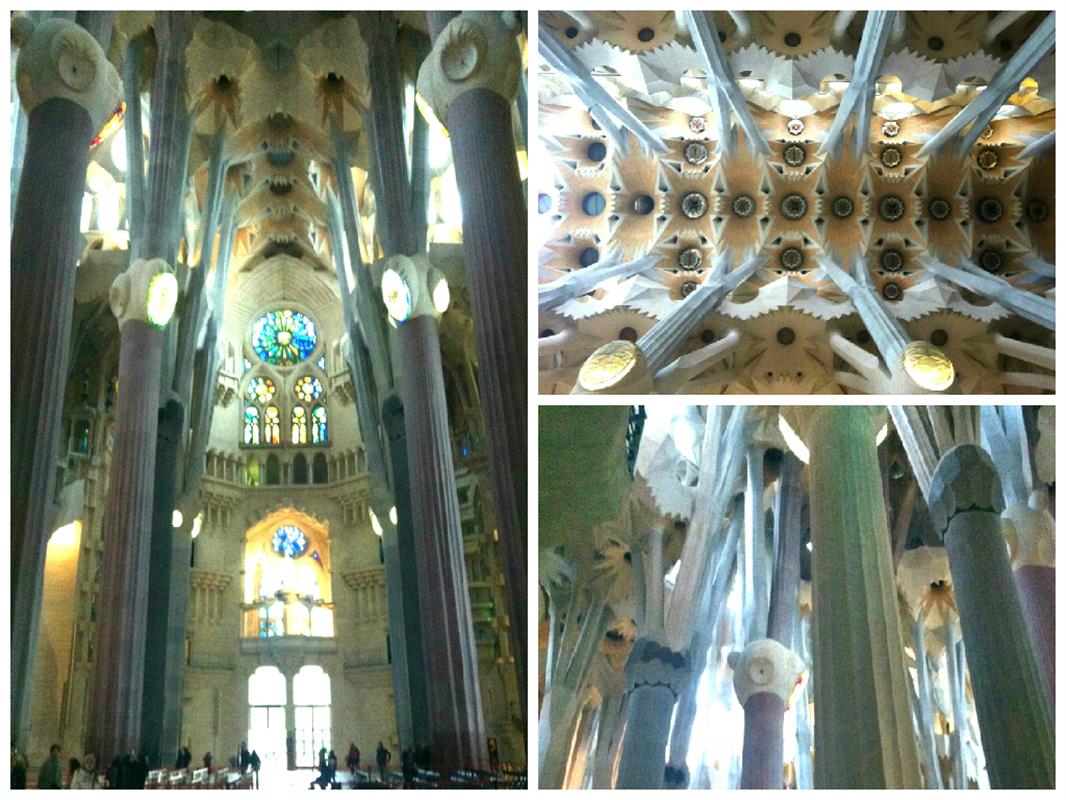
x: 272, y: 426
x: 299, y: 425
x: 251, y: 425
x: 319, y: 425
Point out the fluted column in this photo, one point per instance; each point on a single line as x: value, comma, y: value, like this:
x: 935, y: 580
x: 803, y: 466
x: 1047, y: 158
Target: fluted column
x: 143, y: 300
x: 765, y: 675
x: 1017, y: 730
x: 474, y: 102
x: 656, y: 676
x: 1030, y: 532
x: 415, y: 299
x: 64, y: 112
x: 864, y: 735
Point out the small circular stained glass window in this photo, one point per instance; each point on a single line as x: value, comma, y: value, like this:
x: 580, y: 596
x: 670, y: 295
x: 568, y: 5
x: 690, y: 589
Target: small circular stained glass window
x: 260, y: 390
x: 289, y: 541
x: 284, y: 337
x: 308, y: 388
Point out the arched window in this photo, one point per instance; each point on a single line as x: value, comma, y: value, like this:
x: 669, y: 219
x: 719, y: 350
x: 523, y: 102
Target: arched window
x: 319, y: 426
x: 272, y: 426
x: 318, y: 468
x: 251, y: 472
x: 299, y: 425
x: 251, y: 425
x: 299, y: 469
x: 273, y: 470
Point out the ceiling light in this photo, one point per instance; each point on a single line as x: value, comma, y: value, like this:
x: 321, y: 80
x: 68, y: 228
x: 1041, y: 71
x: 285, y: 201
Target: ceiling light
x: 396, y: 294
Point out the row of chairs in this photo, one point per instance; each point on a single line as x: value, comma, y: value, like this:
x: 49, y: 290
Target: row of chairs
x: 201, y: 778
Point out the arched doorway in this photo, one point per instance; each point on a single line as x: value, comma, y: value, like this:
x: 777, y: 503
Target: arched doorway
x: 311, y: 697
x: 266, y: 717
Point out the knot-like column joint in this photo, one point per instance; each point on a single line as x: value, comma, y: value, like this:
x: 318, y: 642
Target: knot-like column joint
x: 61, y: 60
x: 766, y: 665
x: 1030, y: 532
x: 147, y: 292
x: 651, y: 664
x: 412, y: 287
x: 964, y: 480
x: 474, y: 51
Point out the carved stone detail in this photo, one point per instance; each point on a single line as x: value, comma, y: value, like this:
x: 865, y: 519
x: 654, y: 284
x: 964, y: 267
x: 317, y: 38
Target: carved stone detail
x: 765, y: 665
x: 474, y: 51
x: 60, y: 59
x: 653, y: 664
x: 1030, y: 532
x: 964, y: 480
x: 129, y: 292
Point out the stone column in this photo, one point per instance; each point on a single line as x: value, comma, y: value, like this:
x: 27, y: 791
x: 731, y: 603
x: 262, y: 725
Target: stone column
x: 473, y: 100
x: 765, y: 676
x: 415, y: 298
x: 143, y: 300
x: 864, y: 736
x: 1015, y: 717
x: 1030, y: 533
x: 65, y: 109
x: 656, y: 676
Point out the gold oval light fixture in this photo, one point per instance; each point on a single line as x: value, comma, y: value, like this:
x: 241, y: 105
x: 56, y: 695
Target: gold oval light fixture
x: 162, y: 298
x: 928, y: 366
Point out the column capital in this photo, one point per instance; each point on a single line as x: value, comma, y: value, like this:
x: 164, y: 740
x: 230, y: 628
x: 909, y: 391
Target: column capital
x: 964, y: 480
x: 60, y: 59
x: 412, y: 287
x: 766, y: 665
x: 654, y: 664
x: 474, y: 51
x: 1030, y: 532
x: 147, y: 291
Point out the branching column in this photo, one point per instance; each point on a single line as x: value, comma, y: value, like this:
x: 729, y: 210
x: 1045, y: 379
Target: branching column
x: 455, y: 714
x: 64, y: 112
x: 656, y: 676
x: 474, y: 101
x: 864, y: 735
x: 143, y: 299
x: 1017, y: 731
x: 764, y: 677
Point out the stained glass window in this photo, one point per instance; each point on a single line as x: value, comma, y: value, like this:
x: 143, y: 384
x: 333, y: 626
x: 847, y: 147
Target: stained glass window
x: 289, y: 541
x: 308, y: 388
x: 284, y: 337
x: 299, y: 425
x: 321, y: 363
x: 251, y: 425
x: 260, y: 390
x: 272, y: 426
x: 247, y: 364
x: 319, y: 428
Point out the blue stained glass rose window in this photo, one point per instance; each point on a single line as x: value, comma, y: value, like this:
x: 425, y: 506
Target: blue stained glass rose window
x: 284, y: 337
x: 289, y: 541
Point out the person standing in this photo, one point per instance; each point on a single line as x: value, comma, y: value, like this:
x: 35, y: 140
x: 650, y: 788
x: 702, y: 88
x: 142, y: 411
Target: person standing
x: 51, y: 773
x: 353, y: 759
x: 383, y: 759
x: 255, y: 762
x: 86, y: 776
x: 19, y: 768
x: 407, y: 762
x: 244, y: 759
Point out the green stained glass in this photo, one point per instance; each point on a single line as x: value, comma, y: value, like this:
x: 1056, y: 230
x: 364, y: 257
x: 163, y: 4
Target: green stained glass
x: 284, y: 337
x: 251, y: 425
x: 260, y: 390
x: 319, y: 427
x: 308, y: 388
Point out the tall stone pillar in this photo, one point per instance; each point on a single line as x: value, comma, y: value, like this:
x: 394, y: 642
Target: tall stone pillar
x: 415, y: 295
x: 473, y: 98
x: 1017, y: 730
x: 143, y: 300
x: 656, y: 677
x: 68, y: 90
x: 765, y: 676
x: 864, y: 736
x: 1030, y: 533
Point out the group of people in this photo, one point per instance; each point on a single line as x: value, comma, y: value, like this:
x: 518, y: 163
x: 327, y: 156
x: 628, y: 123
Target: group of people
x: 127, y: 771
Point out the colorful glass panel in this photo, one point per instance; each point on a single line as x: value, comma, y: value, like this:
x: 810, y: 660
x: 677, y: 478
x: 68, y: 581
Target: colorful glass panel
x: 260, y: 390
x: 289, y: 541
x: 251, y: 425
x: 299, y: 425
x: 319, y: 427
x: 308, y: 388
x: 284, y: 337
x: 272, y: 426
x: 321, y: 363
